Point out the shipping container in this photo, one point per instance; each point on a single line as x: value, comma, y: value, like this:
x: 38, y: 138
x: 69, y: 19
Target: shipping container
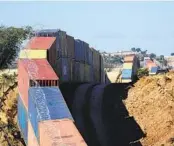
x: 102, y: 73
x: 59, y: 132
x: 62, y: 47
x: 63, y: 69
x: 127, y: 74
x: 22, y: 118
x: 46, y: 103
x: 87, y: 73
x: 154, y: 70
x: 90, y: 56
x: 96, y: 60
x: 82, y: 72
x: 76, y: 76
x: 97, y: 75
x: 96, y: 114
x: 86, y: 48
x: 79, y: 51
x: 40, y: 43
x: 32, y: 140
x: 80, y: 112
x: 127, y: 65
x: 33, y: 54
x: 70, y: 46
x: 91, y: 73
x: 129, y: 58
x: 38, y: 69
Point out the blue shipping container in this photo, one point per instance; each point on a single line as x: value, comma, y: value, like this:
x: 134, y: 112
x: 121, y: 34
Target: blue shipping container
x: 22, y: 119
x: 127, y: 74
x: 154, y: 70
x: 46, y: 104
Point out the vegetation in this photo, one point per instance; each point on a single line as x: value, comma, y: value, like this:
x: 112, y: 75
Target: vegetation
x: 142, y: 72
x: 11, y: 39
x: 172, y: 54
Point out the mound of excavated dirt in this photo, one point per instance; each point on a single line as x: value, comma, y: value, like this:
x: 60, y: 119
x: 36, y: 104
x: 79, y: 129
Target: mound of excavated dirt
x: 151, y: 102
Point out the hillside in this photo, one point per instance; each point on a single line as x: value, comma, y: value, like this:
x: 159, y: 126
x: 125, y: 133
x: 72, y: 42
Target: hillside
x: 151, y: 102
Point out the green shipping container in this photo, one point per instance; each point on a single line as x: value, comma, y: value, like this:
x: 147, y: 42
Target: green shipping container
x: 87, y: 73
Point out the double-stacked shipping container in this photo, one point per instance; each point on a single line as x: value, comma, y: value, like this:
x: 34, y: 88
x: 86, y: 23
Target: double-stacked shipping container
x: 130, y: 67
x: 43, y: 116
x: 75, y: 61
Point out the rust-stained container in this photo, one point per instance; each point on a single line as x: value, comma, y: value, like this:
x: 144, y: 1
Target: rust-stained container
x: 129, y: 58
x: 59, y: 132
x: 70, y: 46
x: 33, y: 54
x: 32, y: 140
x: 28, y: 70
x: 87, y: 73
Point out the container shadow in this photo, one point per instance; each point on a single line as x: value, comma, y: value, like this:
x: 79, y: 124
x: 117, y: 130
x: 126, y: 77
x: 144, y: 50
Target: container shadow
x: 122, y: 129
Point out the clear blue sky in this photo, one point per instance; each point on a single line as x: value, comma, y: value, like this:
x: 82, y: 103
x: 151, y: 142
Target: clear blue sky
x: 109, y: 26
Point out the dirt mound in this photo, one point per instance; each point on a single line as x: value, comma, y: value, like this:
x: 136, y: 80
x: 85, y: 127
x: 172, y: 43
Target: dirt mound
x: 151, y: 102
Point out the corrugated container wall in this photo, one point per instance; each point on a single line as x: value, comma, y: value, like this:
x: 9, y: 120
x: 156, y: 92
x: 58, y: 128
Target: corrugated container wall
x: 23, y: 83
x: 87, y: 73
x: 22, y: 118
x: 79, y: 51
x: 102, y: 73
x: 81, y: 72
x: 70, y: 46
x: 33, y: 54
x: 32, y: 140
x: 76, y: 71
x: 86, y: 48
x: 62, y: 44
x: 63, y: 69
x: 90, y: 56
x: 45, y: 104
x: 59, y: 132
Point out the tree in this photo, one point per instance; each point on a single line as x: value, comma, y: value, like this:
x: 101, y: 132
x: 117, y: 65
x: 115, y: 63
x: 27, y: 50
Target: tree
x: 172, y: 54
x: 133, y: 49
x: 161, y: 57
x: 152, y: 55
x: 10, y: 42
x: 138, y: 50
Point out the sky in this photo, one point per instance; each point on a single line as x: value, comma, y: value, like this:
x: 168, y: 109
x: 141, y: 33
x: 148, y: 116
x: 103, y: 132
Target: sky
x: 106, y: 26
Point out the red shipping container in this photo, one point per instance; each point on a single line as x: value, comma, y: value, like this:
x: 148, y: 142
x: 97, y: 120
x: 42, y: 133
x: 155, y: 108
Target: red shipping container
x: 59, y: 132
x: 36, y: 69
x: 32, y: 140
x: 45, y: 43
x: 41, y: 43
x: 129, y: 58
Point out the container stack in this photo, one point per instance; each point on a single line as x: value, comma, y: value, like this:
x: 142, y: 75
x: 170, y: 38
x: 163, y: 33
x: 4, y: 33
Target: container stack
x: 151, y: 66
x: 43, y: 116
x: 74, y: 60
x: 130, y: 67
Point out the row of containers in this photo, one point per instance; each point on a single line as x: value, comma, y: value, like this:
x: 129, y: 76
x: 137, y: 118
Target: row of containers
x: 43, y: 117
x: 72, y: 59
x: 151, y: 66
x: 130, y: 67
